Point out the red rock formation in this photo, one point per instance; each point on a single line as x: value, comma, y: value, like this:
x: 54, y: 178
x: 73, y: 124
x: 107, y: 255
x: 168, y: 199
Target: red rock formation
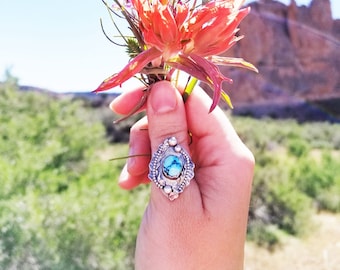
x: 296, y: 49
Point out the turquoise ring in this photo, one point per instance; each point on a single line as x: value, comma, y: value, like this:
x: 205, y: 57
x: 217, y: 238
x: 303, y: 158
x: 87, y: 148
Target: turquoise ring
x: 171, y: 168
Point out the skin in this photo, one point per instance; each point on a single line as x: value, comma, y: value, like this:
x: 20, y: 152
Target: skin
x: 205, y: 227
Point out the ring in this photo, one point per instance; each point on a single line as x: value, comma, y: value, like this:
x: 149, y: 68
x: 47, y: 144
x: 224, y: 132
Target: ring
x: 171, y: 168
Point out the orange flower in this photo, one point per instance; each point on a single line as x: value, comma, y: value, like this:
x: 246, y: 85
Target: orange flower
x: 173, y: 35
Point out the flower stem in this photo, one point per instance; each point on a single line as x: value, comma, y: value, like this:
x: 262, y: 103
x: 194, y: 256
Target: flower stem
x: 190, y: 87
x: 130, y: 156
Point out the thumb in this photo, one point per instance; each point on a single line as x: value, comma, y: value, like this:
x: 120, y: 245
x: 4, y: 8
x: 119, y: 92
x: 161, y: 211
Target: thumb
x: 166, y: 118
x: 166, y: 115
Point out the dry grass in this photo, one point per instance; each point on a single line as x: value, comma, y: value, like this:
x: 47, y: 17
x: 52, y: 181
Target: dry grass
x: 318, y: 251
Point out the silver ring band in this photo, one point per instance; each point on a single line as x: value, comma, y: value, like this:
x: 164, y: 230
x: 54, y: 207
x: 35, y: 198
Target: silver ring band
x: 171, y: 168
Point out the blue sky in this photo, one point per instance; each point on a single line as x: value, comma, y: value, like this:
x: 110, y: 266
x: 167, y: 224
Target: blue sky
x: 59, y: 45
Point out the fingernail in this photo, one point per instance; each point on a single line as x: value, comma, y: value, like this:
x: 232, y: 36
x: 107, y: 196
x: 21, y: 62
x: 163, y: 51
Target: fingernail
x: 163, y: 97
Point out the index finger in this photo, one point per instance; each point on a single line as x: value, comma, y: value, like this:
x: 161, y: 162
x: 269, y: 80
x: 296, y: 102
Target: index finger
x: 126, y: 102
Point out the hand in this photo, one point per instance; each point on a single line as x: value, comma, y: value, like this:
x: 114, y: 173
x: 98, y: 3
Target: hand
x: 205, y: 227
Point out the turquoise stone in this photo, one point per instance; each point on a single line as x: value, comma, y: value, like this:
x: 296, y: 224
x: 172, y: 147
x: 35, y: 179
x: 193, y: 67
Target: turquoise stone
x: 172, y: 166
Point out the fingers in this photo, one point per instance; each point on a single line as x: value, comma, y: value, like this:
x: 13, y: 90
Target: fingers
x: 166, y: 115
x: 224, y: 166
x: 139, y: 148
x: 166, y: 118
x: 210, y: 129
x: 127, y: 101
x: 135, y: 170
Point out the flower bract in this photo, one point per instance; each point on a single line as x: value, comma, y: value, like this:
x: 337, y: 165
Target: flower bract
x: 179, y: 35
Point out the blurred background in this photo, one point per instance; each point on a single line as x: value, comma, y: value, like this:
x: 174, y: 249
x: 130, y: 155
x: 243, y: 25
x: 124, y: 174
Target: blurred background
x: 60, y: 206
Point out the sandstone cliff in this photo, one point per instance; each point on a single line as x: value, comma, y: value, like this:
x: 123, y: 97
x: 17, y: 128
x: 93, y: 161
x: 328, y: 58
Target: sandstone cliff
x: 297, y: 52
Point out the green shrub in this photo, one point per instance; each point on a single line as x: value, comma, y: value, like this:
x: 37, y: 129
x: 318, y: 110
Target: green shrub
x: 298, y: 147
x: 61, y: 208
x: 329, y: 199
x: 264, y: 235
x: 319, y: 178
x: 320, y: 135
x: 44, y: 142
x: 90, y: 226
x: 297, y: 173
x: 277, y: 202
x: 289, y: 209
x: 311, y: 178
x: 60, y: 205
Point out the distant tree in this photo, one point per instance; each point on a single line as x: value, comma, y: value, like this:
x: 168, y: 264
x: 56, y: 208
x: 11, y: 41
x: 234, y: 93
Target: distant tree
x: 9, y: 78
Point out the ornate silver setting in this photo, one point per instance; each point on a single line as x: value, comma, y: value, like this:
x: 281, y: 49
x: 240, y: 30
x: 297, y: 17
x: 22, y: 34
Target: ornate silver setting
x: 171, y: 168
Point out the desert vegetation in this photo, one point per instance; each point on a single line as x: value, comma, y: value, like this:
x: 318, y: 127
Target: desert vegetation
x: 61, y: 208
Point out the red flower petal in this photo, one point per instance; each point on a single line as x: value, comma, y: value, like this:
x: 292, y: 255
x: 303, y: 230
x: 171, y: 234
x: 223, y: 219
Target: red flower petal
x: 203, y: 70
x: 232, y: 62
x: 135, y: 66
x: 218, y: 34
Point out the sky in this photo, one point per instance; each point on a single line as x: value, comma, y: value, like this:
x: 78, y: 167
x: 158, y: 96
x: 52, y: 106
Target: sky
x: 59, y: 45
